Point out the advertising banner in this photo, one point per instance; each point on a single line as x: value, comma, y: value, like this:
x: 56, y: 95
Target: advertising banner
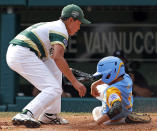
x: 92, y: 42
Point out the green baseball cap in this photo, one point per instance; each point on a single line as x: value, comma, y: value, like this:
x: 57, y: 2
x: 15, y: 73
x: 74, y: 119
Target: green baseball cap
x: 75, y: 12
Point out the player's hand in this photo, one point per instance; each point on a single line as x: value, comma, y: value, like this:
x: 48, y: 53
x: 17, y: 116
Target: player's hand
x: 80, y: 88
x: 94, y: 91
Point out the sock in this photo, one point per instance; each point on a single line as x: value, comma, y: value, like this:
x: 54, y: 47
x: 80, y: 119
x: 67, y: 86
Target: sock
x: 27, y: 112
x: 49, y: 114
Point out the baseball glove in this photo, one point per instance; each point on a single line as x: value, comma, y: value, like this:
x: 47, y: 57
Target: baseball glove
x: 138, y: 118
x: 84, y: 77
x: 81, y: 76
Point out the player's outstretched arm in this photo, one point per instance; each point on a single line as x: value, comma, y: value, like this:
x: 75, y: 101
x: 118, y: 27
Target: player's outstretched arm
x: 58, y: 56
x: 113, y: 111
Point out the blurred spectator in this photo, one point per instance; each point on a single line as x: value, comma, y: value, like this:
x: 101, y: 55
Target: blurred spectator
x: 140, y: 86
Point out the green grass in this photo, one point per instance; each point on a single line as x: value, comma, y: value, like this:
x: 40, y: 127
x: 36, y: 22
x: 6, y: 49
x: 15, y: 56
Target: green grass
x: 7, y: 114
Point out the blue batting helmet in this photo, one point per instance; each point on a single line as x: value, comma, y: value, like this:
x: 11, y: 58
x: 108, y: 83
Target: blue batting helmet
x: 110, y: 68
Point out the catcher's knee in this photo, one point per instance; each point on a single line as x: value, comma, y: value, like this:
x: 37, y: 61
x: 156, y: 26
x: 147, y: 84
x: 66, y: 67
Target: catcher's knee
x: 97, y: 113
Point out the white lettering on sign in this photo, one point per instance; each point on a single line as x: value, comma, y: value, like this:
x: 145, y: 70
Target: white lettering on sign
x: 101, y: 42
x: 106, y: 42
x: 149, y: 37
x: 88, y: 40
x: 71, y: 49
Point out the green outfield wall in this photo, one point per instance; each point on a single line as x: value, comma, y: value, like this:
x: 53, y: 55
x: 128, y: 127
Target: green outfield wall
x: 13, y: 2
x: 79, y: 2
x: 83, y: 104
x: 7, y: 82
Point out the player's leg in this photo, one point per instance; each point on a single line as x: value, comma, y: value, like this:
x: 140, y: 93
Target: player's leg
x: 51, y: 114
x: 28, y: 65
x: 97, y: 113
x: 56, y: 81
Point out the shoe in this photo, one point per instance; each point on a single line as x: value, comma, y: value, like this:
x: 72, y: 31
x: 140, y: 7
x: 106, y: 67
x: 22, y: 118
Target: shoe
x: 23, y: 119
x: 52, y: 119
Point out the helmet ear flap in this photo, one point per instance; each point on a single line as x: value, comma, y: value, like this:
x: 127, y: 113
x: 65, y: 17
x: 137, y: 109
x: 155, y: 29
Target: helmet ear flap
x: 108, y: 76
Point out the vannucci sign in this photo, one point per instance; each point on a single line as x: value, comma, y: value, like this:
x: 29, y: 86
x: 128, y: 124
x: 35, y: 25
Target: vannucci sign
x: 133, y: 39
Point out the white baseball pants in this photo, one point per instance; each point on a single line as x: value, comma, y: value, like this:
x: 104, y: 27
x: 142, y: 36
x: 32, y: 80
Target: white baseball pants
x: 45, y: 76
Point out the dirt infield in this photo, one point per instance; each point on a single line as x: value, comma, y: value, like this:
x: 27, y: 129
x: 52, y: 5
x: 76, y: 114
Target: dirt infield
x: 78, y: 122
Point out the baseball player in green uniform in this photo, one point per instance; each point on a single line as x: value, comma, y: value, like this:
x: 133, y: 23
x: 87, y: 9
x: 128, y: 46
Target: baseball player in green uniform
x: 37, y: 54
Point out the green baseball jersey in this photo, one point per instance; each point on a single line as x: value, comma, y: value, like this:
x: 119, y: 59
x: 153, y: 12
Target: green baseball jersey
x: 40, y: 37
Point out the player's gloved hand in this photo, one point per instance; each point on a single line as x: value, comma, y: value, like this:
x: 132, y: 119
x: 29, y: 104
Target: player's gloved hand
x: 80, y: 88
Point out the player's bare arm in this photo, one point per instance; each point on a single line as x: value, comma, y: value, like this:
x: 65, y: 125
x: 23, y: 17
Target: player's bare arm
x: 94, y: 91
x: 58, y: 56
x: 104, y: 118
x: 115, y: 110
